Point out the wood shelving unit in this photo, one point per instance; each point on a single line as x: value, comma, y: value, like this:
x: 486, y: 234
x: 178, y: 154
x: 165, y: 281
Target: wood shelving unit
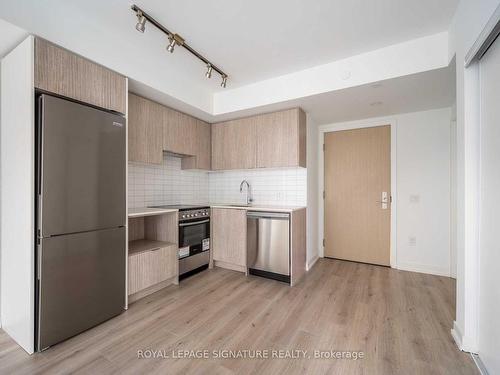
x: 152, y: 253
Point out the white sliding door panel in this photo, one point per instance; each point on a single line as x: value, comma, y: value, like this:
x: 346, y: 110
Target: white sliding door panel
x: 489, y: 291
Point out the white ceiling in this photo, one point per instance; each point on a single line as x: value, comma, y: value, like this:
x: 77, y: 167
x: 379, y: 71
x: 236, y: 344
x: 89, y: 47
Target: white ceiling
x: 411, y: 93
x: 250, y: 40
x: 11, y: 36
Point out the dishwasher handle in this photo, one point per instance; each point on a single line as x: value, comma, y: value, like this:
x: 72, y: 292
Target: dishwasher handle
x: 268, y: 215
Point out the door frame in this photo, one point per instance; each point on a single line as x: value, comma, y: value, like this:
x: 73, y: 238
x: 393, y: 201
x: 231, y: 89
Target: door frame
x: 350, y: 125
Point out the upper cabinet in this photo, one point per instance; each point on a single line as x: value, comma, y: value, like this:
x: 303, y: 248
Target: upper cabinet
x: 275, y: 139
x: 203, y: 146
x: 179, y: 132
x: 64, y: 73
x: 281, y: 139
x: 234, y: 144
x: 145, y: 130
x: 154, y: 128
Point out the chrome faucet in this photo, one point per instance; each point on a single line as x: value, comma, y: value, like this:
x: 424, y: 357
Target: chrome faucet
x: 249, y: 191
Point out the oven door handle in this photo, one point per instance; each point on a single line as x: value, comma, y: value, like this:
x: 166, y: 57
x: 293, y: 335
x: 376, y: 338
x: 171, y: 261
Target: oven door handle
x: 193, y: 223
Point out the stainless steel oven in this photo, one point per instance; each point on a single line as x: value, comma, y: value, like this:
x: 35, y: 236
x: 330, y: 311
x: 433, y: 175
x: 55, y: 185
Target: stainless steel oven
x: 194, y: 239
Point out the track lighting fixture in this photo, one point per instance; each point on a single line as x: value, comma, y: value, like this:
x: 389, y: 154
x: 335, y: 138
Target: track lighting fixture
x: 208, y: 74
x: 175, y: 40
x: 171, y: 45
x: 141, y: 22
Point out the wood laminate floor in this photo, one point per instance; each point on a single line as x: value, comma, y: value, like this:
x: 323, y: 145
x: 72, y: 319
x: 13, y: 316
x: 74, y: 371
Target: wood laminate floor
x: 400, y: 320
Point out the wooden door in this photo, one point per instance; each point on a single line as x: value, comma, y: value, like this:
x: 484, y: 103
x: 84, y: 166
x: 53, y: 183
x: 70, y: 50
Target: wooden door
x: 357, y: 173
x: 234, y: 144
x: 145, y: 131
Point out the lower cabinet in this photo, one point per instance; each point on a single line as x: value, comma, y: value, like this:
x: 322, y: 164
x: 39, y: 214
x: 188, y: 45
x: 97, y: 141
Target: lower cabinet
x: 229, y: 238
x: 152, y: 254
x: 150, y: 267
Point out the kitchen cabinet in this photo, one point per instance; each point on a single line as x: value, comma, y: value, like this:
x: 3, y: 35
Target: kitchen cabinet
x: 152, y: 254
x: 145, y: 131
x: 234, y: 144
x: 281, y: 139
x: 270, y: 140
x: 229, y: 238
x: 179, y: 132
x: 203, y: 145
x: 154, y: 128
x: 62, y: 72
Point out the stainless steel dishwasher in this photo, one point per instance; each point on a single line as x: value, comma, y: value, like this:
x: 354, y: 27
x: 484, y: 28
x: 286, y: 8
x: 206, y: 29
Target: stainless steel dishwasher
x: 268, y: 245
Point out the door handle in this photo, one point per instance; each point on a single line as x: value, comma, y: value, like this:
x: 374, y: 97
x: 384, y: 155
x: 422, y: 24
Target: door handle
x: 384, y: 201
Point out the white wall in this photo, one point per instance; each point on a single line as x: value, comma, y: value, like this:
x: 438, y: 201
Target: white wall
x: 470, y: 18
x: 423, y: 191
x: 11, y: 37
x: 422, y: 170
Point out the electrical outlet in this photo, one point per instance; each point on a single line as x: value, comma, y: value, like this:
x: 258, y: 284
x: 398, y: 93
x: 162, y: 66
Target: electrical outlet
x: 414, y: 198
x: 412, y: 240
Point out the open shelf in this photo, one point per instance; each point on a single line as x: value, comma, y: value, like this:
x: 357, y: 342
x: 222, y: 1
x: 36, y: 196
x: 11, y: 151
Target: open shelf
x: 142, y: 245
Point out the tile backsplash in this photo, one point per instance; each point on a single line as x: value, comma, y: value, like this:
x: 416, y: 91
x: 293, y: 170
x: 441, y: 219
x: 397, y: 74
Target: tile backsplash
x: 150, y: 185
x: 283, y: 186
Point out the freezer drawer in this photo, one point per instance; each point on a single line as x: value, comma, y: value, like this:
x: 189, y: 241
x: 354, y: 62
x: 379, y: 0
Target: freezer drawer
x: 268, y: 245
x: 82, y: 157
x: 81, y: 283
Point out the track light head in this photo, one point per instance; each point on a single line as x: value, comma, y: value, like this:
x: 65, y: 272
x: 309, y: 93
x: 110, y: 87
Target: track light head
x: 224, y: 81
x: 171, y: 45
x: 141, y: 22
x: 208, y: 74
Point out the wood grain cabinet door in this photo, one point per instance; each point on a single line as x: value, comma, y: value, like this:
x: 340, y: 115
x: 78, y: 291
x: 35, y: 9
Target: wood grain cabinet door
x: 179, y: 132
x: 204, y: 145
x: 281, y: 139
x: 145, y: 131
x: 67, y: 74
x: 229, y: 235
x: 234, y: 144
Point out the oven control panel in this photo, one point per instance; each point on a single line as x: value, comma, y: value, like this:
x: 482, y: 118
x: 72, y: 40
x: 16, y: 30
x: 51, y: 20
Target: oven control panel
x: 194, y: 214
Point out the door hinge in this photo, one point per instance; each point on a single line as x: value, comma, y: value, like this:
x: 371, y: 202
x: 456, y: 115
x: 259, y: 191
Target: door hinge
x: 323, y: 147
x: 323, y: 242
x: 323, y: 194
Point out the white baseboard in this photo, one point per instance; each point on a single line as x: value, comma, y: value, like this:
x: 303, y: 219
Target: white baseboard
x: 464, y: 343
x: 480, y: 364
x: 312, y: 262
x: 423, y: 268
x: 457, y: 335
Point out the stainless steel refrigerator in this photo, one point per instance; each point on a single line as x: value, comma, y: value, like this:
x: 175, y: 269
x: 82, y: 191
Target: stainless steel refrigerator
x: 80, y: 214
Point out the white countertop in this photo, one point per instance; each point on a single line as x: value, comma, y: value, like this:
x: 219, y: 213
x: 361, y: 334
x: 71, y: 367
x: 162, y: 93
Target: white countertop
x: 146, y: 211
x: 259, y: 207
